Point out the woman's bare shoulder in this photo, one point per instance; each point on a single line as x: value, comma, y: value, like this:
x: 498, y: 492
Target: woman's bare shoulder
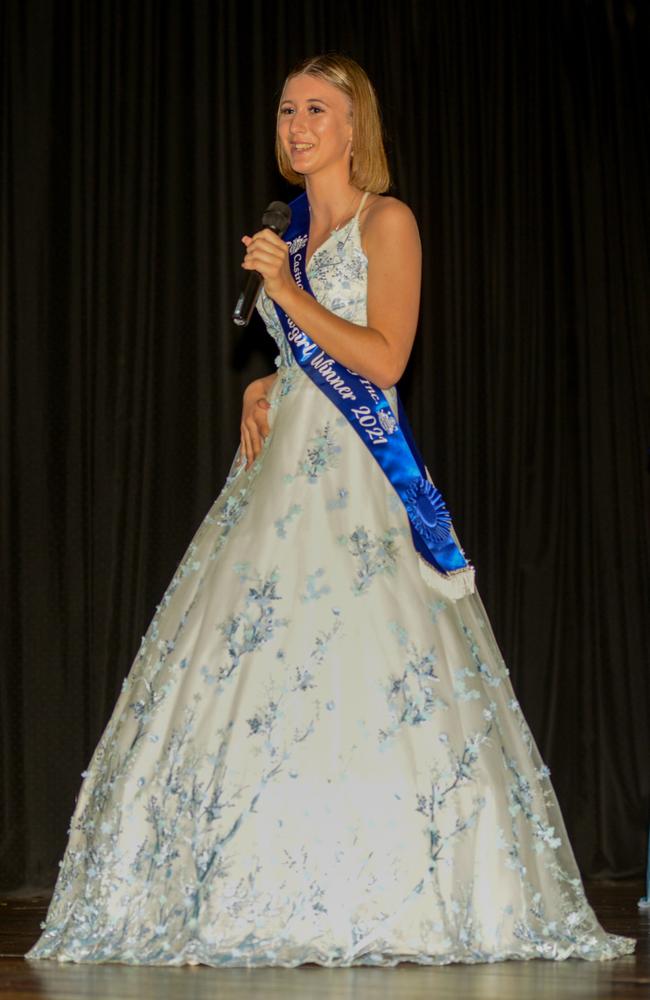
x: 384, y: 217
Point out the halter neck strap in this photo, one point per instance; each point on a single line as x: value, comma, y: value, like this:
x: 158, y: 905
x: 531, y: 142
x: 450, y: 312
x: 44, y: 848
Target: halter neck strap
x: 361, y: 204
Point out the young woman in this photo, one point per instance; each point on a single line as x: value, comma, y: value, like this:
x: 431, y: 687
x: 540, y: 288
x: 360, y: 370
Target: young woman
x: 317, y: 755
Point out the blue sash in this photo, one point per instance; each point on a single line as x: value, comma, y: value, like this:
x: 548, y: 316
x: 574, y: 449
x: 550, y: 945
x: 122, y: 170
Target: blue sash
x: 389, y: 441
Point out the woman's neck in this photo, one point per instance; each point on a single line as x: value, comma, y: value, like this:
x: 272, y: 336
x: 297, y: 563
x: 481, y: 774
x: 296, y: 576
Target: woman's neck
x: 331, y: 203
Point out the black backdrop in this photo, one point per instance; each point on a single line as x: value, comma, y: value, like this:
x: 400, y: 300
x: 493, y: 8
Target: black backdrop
x: 136, y: 148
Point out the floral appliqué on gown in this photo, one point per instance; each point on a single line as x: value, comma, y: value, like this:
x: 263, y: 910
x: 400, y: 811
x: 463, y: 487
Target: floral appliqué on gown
x: 314, y: 756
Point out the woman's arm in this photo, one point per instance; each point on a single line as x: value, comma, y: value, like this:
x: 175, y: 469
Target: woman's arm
x: 380, y: 350
x: 254, y: 419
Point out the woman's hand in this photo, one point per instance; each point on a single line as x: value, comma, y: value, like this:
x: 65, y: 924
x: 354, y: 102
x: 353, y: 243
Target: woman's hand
x: 254, y: 420
x: 269, y: 255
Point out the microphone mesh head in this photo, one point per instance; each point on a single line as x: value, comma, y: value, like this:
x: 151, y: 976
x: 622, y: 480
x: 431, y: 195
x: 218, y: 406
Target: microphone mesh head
x: 277, y: 217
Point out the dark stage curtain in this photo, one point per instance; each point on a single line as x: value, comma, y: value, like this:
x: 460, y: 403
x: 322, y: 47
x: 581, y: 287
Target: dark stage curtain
x: 136, y: 147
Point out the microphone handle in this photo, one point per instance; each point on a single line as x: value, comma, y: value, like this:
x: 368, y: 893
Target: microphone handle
x: 246, y: 301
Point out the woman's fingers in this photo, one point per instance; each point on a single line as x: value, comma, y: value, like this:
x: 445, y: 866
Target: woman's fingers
x: 263, y: 257
x: 264, y: 249
x: 259, y: 414
x: 267, y: 237
x: 253, y: 445
x: 255, y: 438
x: 254, y: 429
x: 254, y: 441
x: 261, y: 418
x: 247, y: 446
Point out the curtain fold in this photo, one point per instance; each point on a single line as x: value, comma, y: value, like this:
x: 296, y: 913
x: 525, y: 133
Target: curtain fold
x: 136, y: 147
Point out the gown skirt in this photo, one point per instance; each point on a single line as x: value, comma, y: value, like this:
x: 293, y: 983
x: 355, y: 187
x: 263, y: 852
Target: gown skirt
x: 316, y: 756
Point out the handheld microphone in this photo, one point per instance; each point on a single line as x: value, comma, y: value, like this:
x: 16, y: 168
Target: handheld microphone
x: 277, y: 218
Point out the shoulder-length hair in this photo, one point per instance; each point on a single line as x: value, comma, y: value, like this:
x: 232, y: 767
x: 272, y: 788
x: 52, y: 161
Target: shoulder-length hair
x: 368, y: 166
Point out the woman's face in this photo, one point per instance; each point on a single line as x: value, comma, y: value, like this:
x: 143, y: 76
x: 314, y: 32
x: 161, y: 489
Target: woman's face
x: 314, y: 124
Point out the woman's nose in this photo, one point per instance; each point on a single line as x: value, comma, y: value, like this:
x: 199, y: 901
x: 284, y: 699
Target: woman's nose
x: 297, y: 123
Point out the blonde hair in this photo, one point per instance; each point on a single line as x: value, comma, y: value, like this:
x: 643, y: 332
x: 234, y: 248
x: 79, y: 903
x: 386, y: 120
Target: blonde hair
x: 369, y: 166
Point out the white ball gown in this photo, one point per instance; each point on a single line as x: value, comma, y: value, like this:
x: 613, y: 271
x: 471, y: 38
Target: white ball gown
x: 315, y: 757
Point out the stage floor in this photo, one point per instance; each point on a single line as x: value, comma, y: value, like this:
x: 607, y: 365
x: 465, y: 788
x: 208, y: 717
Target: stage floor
x: 614, y: 902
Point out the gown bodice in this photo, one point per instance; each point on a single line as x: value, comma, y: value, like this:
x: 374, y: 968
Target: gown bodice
x: 338, y: 274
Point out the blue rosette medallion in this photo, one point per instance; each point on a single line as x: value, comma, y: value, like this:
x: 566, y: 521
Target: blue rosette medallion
x: 427, y: 512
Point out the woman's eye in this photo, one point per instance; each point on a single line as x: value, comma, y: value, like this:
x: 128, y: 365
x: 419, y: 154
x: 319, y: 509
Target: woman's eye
x: 291, y: 111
